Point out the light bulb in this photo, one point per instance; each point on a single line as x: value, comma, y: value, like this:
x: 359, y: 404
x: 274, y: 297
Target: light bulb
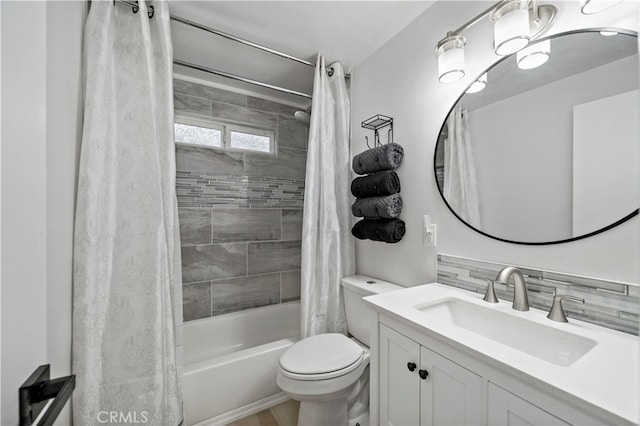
x: 533, y: 56
x: 478, y: 85
x: 450, y: 51
x: 511, y: 28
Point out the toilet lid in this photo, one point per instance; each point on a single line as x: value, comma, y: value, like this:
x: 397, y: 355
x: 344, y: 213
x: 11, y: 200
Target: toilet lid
x: 320, y: 354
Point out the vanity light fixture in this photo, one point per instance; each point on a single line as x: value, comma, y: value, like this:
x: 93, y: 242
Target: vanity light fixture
x: 450, y: 52
x: 589, y: 7
x: 516, y: 23
x: 534, y: 55
x: 478, y: 85
x: 511, y: 27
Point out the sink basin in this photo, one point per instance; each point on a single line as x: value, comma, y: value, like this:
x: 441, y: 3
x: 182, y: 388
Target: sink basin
x: 547, y: 343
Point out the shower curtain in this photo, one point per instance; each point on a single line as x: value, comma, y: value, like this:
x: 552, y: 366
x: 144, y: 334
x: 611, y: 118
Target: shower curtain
x: 124, y: 356
x: 327, y: 245
x: 460, y: 181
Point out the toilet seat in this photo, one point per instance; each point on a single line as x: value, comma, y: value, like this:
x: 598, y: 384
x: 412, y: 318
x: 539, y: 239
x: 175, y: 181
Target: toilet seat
x: 321, y: 357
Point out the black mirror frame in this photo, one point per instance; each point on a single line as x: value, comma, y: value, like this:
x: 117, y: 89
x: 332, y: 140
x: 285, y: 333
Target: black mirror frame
x: 504, y: 240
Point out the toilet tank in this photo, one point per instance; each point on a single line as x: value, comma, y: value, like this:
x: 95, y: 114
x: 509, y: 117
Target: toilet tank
x: 358, y: 313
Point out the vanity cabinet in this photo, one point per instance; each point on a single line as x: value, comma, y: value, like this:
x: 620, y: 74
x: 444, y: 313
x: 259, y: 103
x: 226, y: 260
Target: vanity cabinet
x: 420, y: 387
x: 505, y: 408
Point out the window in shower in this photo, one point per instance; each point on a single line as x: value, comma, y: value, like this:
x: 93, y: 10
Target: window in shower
x: 210, y: 134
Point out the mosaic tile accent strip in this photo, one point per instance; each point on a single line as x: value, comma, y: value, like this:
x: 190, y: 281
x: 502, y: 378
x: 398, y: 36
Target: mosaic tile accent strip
x: 196, y: 190
x: 608, y: 304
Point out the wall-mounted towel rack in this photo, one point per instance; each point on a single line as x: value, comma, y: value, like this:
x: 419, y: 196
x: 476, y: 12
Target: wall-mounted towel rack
x: 376, y: 123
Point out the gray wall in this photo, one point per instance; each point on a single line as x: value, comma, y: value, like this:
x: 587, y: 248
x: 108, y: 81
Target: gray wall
x: 240, y: 213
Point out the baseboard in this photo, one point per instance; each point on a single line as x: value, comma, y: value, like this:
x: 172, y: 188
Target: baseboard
x: 244, y: 411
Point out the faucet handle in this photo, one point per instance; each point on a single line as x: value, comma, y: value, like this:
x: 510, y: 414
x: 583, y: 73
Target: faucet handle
x: 490, y: 294
x: 556, y: 313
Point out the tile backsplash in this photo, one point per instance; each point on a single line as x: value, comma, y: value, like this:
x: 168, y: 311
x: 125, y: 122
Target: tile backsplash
x: 240, y: 213
x: 607, y: 303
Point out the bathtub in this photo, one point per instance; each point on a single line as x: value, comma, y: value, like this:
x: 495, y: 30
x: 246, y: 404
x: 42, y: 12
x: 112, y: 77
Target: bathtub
x: 231, y: 362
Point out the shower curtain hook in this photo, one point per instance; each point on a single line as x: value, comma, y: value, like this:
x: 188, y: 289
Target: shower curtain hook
x: 150, y: 11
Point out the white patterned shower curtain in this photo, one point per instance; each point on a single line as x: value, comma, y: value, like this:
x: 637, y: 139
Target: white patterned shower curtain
x: 327, y: 245
x: 125, y: 255
x: 460, y: 180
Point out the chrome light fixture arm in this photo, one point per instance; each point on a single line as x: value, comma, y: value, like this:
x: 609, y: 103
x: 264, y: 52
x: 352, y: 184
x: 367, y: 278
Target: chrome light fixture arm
x: 450, y: 49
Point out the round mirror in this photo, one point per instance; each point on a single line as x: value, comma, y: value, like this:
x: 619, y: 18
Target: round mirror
x: 543, y: 147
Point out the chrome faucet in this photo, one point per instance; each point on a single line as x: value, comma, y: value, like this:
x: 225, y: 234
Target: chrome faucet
x: 520, y: 298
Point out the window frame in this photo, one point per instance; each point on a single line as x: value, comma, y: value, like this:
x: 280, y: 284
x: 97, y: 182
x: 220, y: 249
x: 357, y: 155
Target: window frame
x: 226, y: 128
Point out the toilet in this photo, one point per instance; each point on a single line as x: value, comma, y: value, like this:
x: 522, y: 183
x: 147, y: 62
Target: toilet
x: 329, y: 373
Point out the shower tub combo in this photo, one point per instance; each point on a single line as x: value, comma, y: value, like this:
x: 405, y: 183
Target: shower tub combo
x: 231, y: 362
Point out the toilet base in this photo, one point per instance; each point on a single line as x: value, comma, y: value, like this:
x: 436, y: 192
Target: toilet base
x: 323, y: 413
x: 351, y: 409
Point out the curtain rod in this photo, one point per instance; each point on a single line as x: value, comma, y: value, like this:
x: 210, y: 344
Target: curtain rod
x: 243, y: 41
x: 134, y: 5
x: 239, y: 78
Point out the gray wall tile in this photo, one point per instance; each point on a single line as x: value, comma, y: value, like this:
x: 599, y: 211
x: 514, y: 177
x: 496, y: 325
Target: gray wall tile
x: 292, y: 224
x: 212, y: 262
x: 208, y: 161
x: 289, y: 163
x: 201, y: 190
x: 292, y: 133
x: 195, y: 226
x: 605, y: 301
x: 211, y: 93
x: 246, y: 292
x: 270, y: 106
x: 191, y: 104
x: 246, y: 225
x: 243, y: 115
x: 215, y: 189
x: 273, y: 257
x: 196, y: 300
x: 289, y: 286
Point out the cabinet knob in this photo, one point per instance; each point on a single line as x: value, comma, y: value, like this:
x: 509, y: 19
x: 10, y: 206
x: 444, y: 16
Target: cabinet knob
x: 411, y: 366
x: 423, y: 374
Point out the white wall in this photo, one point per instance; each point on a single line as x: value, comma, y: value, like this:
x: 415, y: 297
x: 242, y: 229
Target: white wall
x: 41, y: 117
x: 400, y: 80
x: 525, y: 167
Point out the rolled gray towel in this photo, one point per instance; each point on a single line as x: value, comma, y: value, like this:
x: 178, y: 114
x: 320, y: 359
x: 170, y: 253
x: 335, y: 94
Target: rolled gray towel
x: 384, y: 207
x: 373, y: 185
x: 387, y: 230
x: 384, y: 157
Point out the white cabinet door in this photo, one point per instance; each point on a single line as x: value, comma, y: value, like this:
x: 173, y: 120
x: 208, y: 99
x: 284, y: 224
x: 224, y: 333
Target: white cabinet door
x: 506, y: 408
x: 399, y: 386
x: 450, y: 394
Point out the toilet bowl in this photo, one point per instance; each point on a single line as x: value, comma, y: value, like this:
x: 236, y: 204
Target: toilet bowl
x: 329, y: 373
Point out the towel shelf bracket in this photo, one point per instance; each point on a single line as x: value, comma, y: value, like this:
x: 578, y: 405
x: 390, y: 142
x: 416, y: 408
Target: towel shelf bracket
x: 376, y: 123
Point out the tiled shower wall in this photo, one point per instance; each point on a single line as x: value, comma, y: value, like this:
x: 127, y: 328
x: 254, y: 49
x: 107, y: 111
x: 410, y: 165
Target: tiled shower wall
x: 607, y: 303
x: 240, y: 213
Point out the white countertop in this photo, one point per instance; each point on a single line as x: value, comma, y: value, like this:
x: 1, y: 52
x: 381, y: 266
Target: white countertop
x: 606, y: 377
